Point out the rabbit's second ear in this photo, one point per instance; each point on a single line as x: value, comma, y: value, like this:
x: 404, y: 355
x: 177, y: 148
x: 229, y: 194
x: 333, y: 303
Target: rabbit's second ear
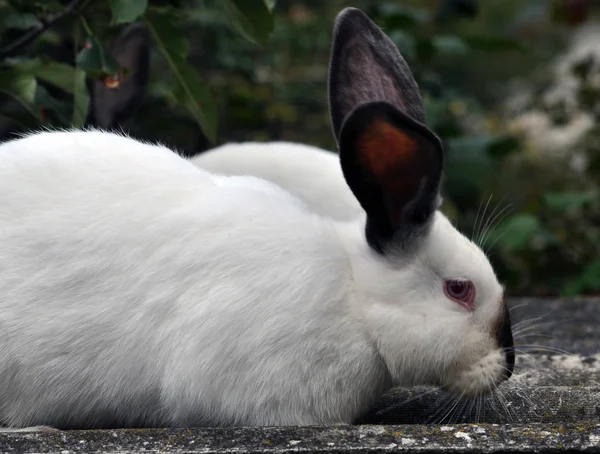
x: 111, y: 102
x: 393, y: 166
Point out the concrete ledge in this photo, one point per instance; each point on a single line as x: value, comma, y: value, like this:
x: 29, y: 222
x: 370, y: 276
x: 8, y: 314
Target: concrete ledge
x: 557, y: 370
x: 568, y: 325
x: 542, y: 404
x: 548, y: 438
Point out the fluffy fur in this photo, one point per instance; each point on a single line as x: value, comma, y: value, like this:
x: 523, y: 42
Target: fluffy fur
x: 140, y: 290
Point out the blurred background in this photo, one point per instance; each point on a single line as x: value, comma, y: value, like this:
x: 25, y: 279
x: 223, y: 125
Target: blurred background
x: 512, y: 87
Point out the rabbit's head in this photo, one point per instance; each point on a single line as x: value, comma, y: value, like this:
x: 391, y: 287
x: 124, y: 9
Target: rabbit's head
x: 112, y: 101
x: 429, y: 297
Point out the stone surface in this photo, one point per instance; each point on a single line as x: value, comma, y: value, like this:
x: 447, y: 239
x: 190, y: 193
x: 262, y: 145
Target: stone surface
x: 551, y: 404
x: 563, y: 325
x: 544, y: 404
x: 548, y: 438
x: 556, y: 370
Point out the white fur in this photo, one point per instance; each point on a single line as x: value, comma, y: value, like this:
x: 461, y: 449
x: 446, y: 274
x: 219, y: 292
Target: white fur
x: 312, y: 174
x: 140, y: 290
x: 27, y: 429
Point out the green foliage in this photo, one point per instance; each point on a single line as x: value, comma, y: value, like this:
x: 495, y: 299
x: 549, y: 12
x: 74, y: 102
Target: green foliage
x: 189, y: 90
x: 258, y: 68
x: 22, y: 87
x: 126, y: 11
x: 252, y: 18
x: 48, y: 25
x: 95, y: 61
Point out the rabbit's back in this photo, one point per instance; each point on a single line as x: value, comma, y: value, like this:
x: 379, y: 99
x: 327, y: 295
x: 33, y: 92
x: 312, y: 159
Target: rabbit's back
x: 312, y: 174
x: 135, y: 287
x: 103, y: 166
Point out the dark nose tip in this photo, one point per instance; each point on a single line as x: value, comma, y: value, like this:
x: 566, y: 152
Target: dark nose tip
x: 505, y: 341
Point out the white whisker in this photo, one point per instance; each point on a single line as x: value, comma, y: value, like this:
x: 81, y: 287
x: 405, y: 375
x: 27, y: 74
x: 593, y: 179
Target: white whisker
x: 478, y: 237
x: 496, y: 220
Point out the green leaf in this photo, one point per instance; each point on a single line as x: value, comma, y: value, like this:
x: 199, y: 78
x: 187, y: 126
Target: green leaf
x: 450, y: 45
x: 470, y: 146
x: 195, y: 95
x: 20, y: 86
x: 270, y: 4
x: 569, y: 201
x: 55, y: 73
x: 494, y: 145
x: 50, y: 103
x: 572, y: 288
x: 589, y: 279
x: 23, y: 119
x: 166, y: 23
x: 397, y: 16
x: 435, y: 111
x: 48, y: 6
x: 81, y: 99
x: 503, y: 145
x: 252, y: 19
x: 191, y: 90
x: 20, y: 21
x: 95, y: 61
x: 19, y: 80
x: 405, y: 42
x: 468, y: 167
x: 494, y: 43
x: 456, y: 9
x: 591, y: 275
x: 514, y: 233
x: 59, y: 74
x: 125, y: 11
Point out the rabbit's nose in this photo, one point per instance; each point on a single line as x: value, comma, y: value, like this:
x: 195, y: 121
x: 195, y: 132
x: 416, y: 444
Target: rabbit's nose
x: 504, y: 338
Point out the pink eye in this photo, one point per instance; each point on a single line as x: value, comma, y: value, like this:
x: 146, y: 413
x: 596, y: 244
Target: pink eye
x: 463, y: 292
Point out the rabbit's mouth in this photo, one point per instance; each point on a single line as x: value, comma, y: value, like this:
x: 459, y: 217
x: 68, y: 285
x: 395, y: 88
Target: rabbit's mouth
x: 481, y: 377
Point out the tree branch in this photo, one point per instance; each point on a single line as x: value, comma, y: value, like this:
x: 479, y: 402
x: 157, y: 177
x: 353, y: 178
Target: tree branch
x: 36, y: 31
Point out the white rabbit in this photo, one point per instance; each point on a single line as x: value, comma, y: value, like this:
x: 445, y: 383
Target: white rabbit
x: 139, y: 290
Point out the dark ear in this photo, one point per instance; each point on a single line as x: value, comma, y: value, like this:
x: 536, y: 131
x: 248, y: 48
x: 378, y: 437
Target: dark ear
x: 113, y: 100
x: 366, y: 66
x: 393, y: 166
